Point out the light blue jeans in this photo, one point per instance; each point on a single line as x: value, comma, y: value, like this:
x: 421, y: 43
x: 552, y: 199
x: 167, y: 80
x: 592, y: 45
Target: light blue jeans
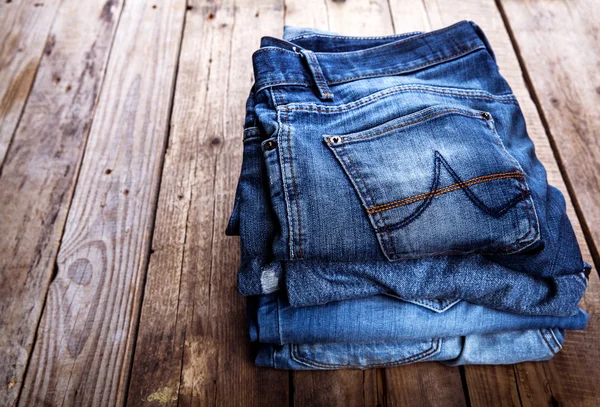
x: 491, y: 349
x: 402, y: 166
x: 385, y: 331
x: 382, y: 318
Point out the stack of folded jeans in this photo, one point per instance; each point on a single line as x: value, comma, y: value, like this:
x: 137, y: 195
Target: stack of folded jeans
x: 392, y: 210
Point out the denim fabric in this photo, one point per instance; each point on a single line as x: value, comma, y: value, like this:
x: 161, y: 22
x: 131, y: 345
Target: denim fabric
x: 397, y: 165
x: 385, y: 319
x: 500, y: 348
x: 391, y: 208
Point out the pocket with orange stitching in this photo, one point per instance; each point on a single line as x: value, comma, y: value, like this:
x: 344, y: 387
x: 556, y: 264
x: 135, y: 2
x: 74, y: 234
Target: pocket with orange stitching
x: 439, y: 181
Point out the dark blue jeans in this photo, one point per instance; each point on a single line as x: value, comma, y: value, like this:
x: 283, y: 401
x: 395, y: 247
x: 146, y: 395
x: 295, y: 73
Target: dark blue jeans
x: 398, y: 165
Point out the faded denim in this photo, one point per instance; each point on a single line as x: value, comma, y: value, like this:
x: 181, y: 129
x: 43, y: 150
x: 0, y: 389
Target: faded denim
x: 382, y: 318
x: 416, y: 179
x: 491, y: 349
x: 397, y: 165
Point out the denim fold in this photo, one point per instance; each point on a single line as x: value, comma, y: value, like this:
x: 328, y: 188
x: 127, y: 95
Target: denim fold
x: 391, y: 208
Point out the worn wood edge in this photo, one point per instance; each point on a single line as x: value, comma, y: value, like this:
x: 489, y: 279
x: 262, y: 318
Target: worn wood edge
x: 245, y: 384
x: 111, y: 389
x: 194, y: 325
x: 16, y: 78
x: 580, y: 357
x: 55, y: 184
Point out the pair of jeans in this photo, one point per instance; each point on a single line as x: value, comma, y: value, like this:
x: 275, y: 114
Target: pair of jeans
x: 397, y: 165
x: 381, y: 331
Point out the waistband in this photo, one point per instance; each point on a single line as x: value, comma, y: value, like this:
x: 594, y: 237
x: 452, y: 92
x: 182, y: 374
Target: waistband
x: 280, y: 62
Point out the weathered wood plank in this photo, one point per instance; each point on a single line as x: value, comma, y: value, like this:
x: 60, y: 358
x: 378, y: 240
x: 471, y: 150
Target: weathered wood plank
x: 24, y: 26
x: 84, y: 344
x: 36, y: 184
x: 425, y: 384
x: 350, y: 388
x: 395, y: 385
x: 193, y: 347
x: 493, y: 385
x: 568, y: 377
x: 558, y: 46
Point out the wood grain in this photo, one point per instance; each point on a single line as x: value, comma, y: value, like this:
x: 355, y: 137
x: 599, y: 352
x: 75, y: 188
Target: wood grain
x: 129, y: 213
x: 426, y: 384
x: 558, y: 46
x: 193, y: 344
x: 84, y: 343
x: 349, y: 388
x: 24, y: 26
x: 568, y: 377
x: 38, y: 177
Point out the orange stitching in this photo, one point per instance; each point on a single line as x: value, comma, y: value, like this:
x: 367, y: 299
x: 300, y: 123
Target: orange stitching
x: 453, y: 187
x: 450, y: 188
x: 392, y: 253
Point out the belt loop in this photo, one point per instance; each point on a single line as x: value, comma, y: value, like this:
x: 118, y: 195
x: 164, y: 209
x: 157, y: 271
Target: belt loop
x: 317, y: 74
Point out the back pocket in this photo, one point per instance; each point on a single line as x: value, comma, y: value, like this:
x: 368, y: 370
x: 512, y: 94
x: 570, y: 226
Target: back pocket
x: 329, y: 356
x: 439, y: 181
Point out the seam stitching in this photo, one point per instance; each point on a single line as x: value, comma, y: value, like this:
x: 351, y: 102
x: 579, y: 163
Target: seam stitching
x: 414, y: 358
x: 422, y: 119
x: 401, y: 42
x: 383, y: 37
x: 396, y: 43
x: 385, y: 228
x: 508, y: 98
x: 450, y: 188
x: 277, y: 100
x: 386, y: 73
x: 543, y: 335
x: 553, y: 336
x: 372, y: 75
x: 289, y: 148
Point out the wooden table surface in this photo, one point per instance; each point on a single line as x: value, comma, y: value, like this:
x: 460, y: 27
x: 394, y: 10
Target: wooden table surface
x: 120, y: 148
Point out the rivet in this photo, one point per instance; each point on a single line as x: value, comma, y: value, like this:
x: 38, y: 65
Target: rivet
x: 486, y: 115
x: 334, y: 139
x: 270, y: 145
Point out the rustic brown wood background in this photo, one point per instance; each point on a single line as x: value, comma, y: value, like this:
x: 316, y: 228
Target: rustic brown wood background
x: 120, y: 148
